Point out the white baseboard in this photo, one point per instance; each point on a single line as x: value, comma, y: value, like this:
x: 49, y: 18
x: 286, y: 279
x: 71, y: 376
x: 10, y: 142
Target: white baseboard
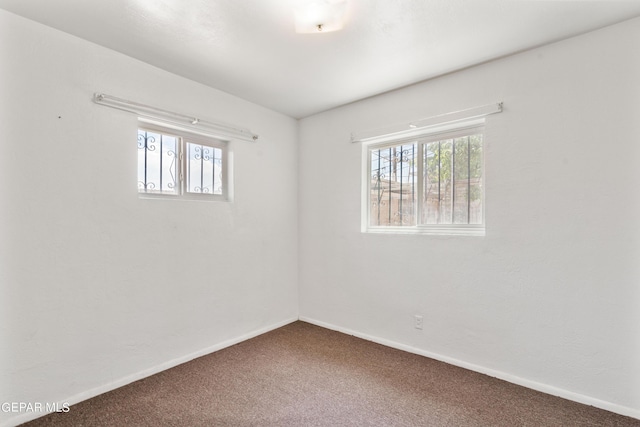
x: 548, y: 389
x: 28, y: 416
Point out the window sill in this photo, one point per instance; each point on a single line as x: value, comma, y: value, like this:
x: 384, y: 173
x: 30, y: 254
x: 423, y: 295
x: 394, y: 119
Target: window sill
x: 185, y: 197
x: 434, y: 231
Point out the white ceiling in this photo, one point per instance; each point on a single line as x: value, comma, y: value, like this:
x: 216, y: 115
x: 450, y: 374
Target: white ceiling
x: 249, y: 47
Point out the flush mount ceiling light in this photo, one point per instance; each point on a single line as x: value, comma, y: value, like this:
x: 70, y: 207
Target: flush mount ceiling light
x: 320, y: 16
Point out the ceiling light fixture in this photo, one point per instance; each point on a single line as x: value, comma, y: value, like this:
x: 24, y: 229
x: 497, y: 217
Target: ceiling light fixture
x: 320, y: 16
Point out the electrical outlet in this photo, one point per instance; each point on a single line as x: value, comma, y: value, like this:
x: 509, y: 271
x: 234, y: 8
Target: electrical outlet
x: 417, y: 321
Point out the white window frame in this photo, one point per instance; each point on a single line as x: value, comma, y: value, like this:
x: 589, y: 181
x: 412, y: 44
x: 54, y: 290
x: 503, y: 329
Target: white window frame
x: 420, y: 136
x: 183, y: 137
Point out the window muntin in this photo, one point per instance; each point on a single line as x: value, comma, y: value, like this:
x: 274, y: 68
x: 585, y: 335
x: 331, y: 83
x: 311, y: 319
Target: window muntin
x: 180, y: 164
x: 433, y: 184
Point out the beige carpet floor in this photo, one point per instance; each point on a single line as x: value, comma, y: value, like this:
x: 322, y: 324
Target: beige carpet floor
x: 303, y: 375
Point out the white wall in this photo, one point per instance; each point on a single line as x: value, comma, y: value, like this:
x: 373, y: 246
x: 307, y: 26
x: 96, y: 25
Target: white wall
x: 550, y: 297
x: 96, y: 284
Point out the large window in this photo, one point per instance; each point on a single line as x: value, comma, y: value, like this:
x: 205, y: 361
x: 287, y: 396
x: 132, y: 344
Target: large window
x: 179, y: 164
x: 432, y: 183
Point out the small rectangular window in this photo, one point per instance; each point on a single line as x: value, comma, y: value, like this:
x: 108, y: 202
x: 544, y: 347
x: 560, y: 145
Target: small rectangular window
x: 431, y: 183
x: 179, y: 164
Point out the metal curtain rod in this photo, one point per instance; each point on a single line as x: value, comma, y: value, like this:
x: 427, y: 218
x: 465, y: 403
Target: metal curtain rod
x: 191, y: 123
x: 420, y: 126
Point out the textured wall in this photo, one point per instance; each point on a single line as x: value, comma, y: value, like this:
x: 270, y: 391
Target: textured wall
x: 96, y: 284
x: 550, y: 297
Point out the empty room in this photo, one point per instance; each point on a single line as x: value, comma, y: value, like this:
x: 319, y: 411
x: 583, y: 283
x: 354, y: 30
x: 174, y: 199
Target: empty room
x: 319, y: 213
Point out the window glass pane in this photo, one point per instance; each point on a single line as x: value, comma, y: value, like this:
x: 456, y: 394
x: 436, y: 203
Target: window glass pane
x: 393, y: 189
x: 452, y: 180
x: 446, y: 182
x: 204, y: 169
x: 431, y: 183
x: 156, y: 162
x: 461, y: 181
x: 475, y: 172
x: 438, y: 188
x: 217, y: 171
